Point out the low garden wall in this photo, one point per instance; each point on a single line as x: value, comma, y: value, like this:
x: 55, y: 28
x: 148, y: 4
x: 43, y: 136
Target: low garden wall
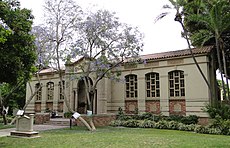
x: 99, y: 120
x: 40, y: 118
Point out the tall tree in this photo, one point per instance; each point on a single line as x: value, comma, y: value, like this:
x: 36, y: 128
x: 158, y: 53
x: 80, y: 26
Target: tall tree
x: 213, y: 17
x: 105, y: 44
x: 62, y: 16
x: 177, y: 5
x: 17, y: 54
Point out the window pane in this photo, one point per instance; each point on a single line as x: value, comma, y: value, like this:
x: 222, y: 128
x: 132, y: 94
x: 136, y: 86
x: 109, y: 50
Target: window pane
x: 171, y: 84
x: 177, y: 80
x: 182, y: 92
x: 181, y: 83
x: 158, y: 93
x: 181, y: 74
x: 176, y: 73
x: 157, y: 84
x: 148, y: 85
x: 171, y: 92
x: 136, y: 93
x: 148, y: 93
x: 147, y: 77
x: 176, y: 86
x: 157, y: 76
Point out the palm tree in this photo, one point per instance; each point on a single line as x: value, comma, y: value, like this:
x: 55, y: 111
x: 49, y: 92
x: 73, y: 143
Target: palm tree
x: 215, y: 17
x: 178, y: 6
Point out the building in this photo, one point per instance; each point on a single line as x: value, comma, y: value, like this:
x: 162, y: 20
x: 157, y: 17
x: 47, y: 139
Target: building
x: 166, y: 83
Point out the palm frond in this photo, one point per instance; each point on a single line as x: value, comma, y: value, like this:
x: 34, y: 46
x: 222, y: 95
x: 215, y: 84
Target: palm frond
x: 200, y: 37
x: 159, y: 17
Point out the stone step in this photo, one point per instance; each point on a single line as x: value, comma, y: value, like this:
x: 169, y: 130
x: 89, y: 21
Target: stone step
x: 60, y: 122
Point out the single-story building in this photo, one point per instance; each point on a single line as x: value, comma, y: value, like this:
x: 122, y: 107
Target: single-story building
x: 166, y: 83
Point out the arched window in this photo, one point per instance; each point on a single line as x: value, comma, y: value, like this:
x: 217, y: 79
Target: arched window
x: 39, y: 92
x: 50, y: 90
x: 176, y: 83
x: 131, y: 86
x: 61, y: 89
x: 152, y: 83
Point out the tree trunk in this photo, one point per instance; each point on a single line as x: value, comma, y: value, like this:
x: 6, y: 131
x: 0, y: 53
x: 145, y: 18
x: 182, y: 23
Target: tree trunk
x: 193, y: 56
x: 220, y: 64
x: 4, y: 118
x: 226, y: 74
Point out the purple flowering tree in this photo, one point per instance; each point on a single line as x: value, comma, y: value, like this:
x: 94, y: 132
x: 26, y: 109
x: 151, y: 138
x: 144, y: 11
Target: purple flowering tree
x: 105, y: 44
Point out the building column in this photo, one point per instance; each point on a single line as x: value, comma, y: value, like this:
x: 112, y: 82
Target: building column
x: 164, y: 95
x: 31, y: 106
x: 141, y: 94
x: 102, y: 93
x: 43, y: 99
x: 56, y: 96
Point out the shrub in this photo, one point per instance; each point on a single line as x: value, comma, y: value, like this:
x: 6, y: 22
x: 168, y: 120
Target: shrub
x: 131, y: 123
x: 116, y: 123
x: 177, y: 118
x: 147, y: 124
x: 221, y: 109
x: 191, y: 119
x: 8, y: 119
x: 162, y: 124
x: 216, y: 131
x: 68, y: 114
x: 173, y: 125
x: 201, y: 129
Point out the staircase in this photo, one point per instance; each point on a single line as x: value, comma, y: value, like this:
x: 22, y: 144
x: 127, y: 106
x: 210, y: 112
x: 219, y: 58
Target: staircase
x: 58, y: 122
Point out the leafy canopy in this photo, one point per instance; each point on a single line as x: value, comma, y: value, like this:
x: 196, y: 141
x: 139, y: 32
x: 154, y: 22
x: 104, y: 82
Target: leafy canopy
x: 17, y: 54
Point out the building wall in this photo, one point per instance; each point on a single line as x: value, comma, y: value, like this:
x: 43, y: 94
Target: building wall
x: 44, y: 105
x: 196, y: 91
x: 111, y: 94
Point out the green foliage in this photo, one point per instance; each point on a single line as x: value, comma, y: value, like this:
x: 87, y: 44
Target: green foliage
x: 174, y: 125
x: 184, y: 127
x: 68, y: 114
x: 221, y: 109
x: 8, y: 118
x: 201, y: 129
x: 131, y: 123
x: 13, y: 99
x: 117, y: 123
x: 147, y: 124
x: 163, y: 124
x: 17, y: 52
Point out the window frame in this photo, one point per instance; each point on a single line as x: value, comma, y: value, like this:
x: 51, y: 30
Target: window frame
x: 61, y: 96
x: 176, y: 80
x: 152, y: 85
x: 131, y: 86
x: 38, y: 96
x: 50, y: 91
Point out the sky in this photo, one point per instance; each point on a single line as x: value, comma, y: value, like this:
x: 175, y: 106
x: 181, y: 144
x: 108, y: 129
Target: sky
x: 164, y: 35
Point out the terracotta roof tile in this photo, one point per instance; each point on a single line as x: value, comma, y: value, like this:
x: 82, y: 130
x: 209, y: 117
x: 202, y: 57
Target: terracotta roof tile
x: 177, y: 53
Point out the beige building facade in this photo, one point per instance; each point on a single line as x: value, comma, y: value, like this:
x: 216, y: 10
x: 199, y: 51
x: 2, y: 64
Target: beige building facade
x: 162, y: 83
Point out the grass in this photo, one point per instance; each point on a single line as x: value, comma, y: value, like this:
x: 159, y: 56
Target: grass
x: 2, y: 126
x: 111, y: 137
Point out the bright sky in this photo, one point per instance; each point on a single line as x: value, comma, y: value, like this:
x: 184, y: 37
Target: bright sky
x: 164, y: 35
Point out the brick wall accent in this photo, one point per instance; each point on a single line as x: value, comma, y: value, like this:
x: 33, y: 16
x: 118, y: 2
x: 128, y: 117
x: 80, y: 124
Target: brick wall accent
x: 37, y: 107
x: 40, y: 118
x: 153, y: 106
x: 177, y: 107
x: 130, y: 106
x: 49, y: 105
x: 99, y: 120
x: 203, y: 121
x: 60, y: 106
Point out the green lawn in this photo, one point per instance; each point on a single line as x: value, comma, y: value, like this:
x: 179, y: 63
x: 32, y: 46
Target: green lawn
x: 111, y: 137
x: 2, y: 126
